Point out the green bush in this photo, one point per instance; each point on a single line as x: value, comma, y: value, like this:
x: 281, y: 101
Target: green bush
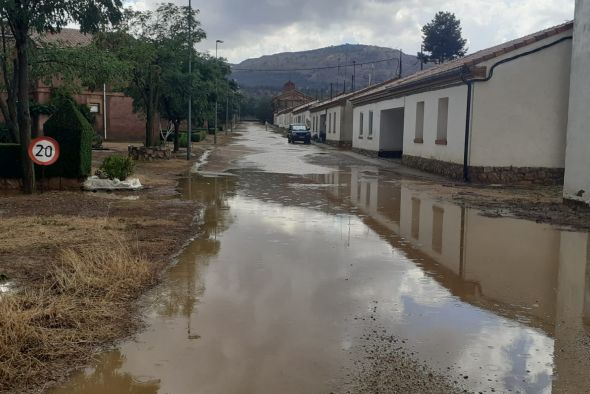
x: 97, y: 141
x: 74, y: 135
x: 10, y: 164
x: 117, y: 166
x: 6, y: 136
x: 195, y: 137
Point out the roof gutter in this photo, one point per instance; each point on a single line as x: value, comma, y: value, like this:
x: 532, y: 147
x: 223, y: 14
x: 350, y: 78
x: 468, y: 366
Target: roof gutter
x: 466, y: 72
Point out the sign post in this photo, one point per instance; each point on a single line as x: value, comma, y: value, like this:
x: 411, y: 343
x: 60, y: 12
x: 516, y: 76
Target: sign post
x: 44, y: 151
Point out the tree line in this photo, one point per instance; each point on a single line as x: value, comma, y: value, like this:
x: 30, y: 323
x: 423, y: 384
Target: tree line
x: 144, y: 54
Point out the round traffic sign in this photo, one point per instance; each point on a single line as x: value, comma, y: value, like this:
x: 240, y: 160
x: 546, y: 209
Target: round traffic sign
x: 44, y: 151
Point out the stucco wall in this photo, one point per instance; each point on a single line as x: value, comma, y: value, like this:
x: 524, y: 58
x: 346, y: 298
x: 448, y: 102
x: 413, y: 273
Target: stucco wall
x: 333, y: 126
x: 453, y: 150
x: 520, y: 115
x: 365, y: 143
x: 577, y: 161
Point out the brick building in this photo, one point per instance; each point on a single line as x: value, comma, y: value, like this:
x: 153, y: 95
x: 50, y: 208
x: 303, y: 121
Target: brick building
x: 115, y: 119
x: 290, y: 97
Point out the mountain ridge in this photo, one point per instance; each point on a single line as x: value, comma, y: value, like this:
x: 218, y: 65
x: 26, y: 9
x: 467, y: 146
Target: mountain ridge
x: 315, y: 70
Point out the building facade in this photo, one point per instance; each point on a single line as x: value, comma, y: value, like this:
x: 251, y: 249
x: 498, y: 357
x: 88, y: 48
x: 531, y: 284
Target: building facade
x: 290, y: 97
x: 496, y: 116
x: 577, y: 161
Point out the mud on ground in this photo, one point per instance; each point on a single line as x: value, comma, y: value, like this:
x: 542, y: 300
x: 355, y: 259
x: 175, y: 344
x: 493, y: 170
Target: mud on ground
x: 35, y: 230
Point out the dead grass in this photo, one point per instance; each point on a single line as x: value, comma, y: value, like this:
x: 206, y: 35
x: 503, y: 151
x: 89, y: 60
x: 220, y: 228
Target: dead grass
x: 83, y: 303
x: 58, y: 231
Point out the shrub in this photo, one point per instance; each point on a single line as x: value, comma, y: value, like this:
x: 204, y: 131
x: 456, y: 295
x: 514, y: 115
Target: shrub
x: 117, y: 166
x: 6, y: 136
x: 97, y: 141
x: 195, y: 137
x: 10, y: 164
x: 74, y: 135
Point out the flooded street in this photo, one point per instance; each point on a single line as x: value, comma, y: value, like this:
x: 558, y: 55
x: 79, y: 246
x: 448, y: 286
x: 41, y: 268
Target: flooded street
x: 312, y: 275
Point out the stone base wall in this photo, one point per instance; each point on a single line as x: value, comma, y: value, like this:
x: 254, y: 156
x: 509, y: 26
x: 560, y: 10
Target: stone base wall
x: 149, y: 154
x: 488, y: 175
x: 364, y: 152
x: 450, y: 170
x: 517, y: 175
x: 339, y: 144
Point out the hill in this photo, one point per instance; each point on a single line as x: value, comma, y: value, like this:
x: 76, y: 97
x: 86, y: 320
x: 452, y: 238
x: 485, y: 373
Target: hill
x: 321, y: 68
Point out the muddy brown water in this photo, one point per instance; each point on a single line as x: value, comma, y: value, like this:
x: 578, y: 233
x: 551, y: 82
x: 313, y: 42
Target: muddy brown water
x: 296, y: 276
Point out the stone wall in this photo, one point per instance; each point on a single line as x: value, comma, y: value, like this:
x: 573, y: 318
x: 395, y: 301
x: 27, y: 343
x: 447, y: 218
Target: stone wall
x: 364, y: 152
x: 517, y: 175
x: 43, y: 184
x: 149, y: 154
x: 488, y: 175
x: 339, y: 144
x: 450, y: 170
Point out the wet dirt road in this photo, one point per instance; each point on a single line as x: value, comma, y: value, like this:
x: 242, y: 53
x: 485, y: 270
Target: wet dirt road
x: 310, y: 278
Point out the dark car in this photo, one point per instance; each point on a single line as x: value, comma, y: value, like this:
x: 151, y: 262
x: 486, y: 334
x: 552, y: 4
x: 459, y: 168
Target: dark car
x: 298, y: 132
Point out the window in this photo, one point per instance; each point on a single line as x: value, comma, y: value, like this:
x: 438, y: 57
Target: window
x: 94, y: 108
x: 370, y: 133
x: 334, y: 124
x: 443, y: 120
x: 437, y: 228
x: 329, y: 122
x: 419, y: 136
x: 361, y: 124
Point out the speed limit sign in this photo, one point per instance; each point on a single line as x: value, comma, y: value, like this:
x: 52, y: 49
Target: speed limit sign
x: 44, y: 151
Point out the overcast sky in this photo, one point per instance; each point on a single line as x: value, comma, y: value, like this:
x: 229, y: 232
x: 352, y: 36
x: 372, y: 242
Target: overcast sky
x: 252, y: 28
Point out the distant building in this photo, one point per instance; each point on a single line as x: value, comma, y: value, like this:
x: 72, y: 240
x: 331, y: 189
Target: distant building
x: 290, y: 97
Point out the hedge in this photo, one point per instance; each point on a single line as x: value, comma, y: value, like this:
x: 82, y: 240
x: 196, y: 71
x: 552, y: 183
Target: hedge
x: 195, y: 137
x: 74, y: 135
x: 10, y: 164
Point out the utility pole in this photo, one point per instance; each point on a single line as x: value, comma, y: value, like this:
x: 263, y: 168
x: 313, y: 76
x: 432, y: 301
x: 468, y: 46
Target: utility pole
x: 226, y: 107
x: 190, y: 84
x: 331, y: 91
x: 422, y: 57
x: 400, y: 63
x: 216, y: 98
x: 353, y: 74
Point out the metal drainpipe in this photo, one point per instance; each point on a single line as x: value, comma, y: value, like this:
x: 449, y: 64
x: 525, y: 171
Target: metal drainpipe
x: 467, y: 132
x: 470, y: 83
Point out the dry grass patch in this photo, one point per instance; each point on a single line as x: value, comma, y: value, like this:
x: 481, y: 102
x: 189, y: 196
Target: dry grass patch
x: 82, y: 304
x: 57, y: 231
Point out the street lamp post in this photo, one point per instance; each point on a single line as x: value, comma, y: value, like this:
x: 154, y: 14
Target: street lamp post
x: 190, y: 83
x: 215, y: 131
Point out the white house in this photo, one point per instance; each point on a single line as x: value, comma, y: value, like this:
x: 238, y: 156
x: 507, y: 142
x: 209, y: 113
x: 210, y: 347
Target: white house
x: 302, y: 114
x: 283, y: 118
x: 577, y: 162
x: 332, y: 118
x: 497, y: 115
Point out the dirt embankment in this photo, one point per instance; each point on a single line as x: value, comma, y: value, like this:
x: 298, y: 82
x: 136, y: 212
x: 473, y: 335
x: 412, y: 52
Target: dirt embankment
x: 78, y: 261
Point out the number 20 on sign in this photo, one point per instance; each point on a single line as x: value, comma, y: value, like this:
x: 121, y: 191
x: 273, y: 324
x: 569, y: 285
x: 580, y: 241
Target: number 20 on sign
x: 44, y: 151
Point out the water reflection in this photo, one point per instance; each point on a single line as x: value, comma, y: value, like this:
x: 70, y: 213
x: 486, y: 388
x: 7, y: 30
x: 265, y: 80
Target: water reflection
x: 107, y: 377
x: 291, y: 271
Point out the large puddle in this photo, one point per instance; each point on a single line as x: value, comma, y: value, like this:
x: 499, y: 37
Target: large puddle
x: 294, y: 275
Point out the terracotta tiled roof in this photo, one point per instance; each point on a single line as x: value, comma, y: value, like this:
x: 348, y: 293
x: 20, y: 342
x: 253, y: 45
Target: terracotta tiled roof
x: 67, y: 37
x: 469, y: 60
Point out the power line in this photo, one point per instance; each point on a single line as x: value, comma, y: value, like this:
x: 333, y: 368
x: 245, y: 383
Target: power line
x: 314, y: 68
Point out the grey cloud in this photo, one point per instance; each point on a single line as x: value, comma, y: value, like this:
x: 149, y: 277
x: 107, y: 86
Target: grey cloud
x: 258, y: 27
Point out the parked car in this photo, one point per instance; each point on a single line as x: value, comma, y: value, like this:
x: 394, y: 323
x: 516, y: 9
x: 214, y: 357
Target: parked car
x: 298, y: 132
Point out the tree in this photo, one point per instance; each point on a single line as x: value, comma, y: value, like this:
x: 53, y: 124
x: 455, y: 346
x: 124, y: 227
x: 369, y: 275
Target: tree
x: 442, y: 38
x: 23, y: 18
x: 155, y: 46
